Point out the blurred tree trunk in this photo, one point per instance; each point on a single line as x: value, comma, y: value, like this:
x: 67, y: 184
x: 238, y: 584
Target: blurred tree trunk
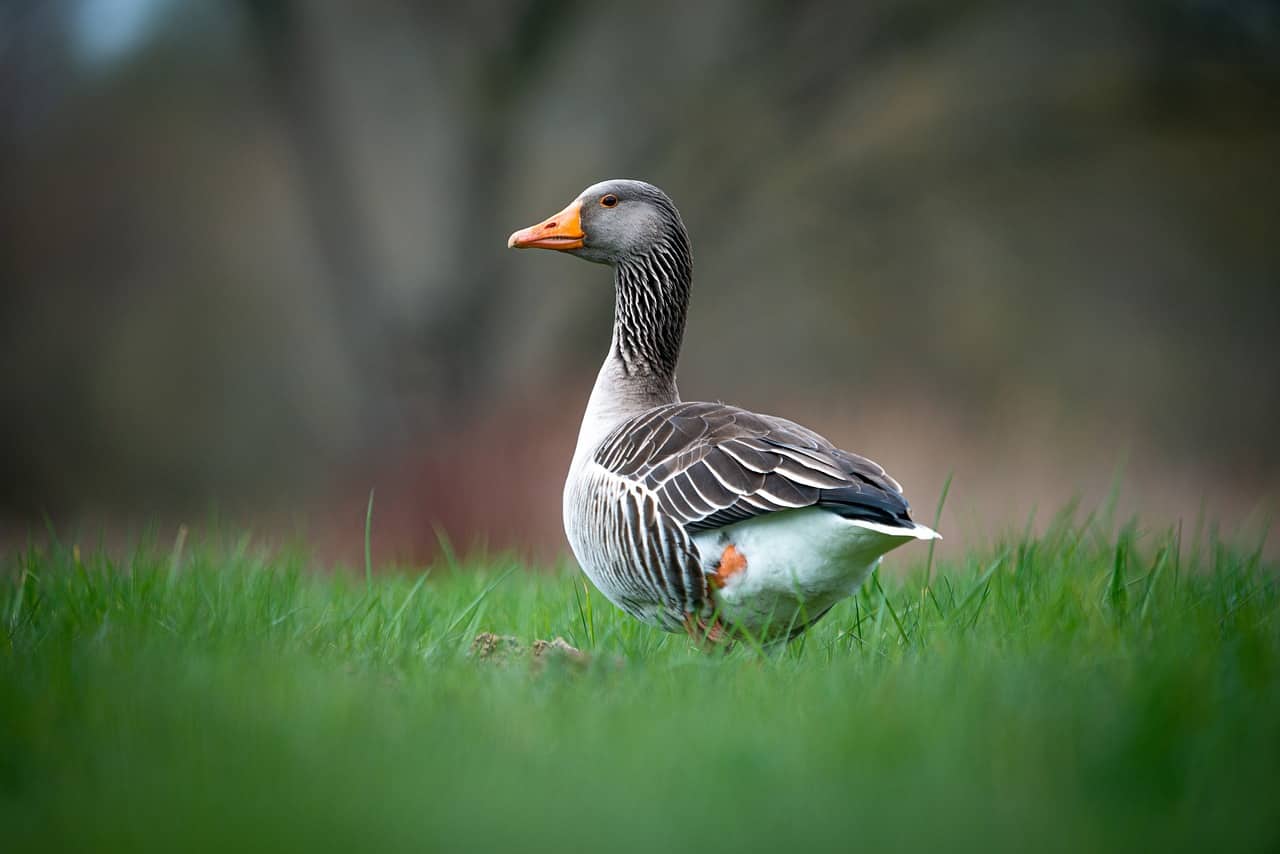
x: 292, y: 60
x: 461, y: 339
x: 513, y: 42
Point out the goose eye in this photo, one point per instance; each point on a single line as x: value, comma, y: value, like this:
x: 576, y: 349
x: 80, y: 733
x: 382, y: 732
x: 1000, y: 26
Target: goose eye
x: 609, y: 201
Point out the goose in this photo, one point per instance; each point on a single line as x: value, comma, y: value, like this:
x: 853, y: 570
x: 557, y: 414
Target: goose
x: 702, y: 517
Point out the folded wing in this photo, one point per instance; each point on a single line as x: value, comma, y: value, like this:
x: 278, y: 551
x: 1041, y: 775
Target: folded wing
x: 711, y: 465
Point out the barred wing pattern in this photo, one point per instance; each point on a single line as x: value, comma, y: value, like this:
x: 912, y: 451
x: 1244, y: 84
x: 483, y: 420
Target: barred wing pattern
x: 710, y: 465
x: 688, y: 467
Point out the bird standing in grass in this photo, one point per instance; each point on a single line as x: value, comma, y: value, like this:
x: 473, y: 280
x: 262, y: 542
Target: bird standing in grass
x: 702, y: 517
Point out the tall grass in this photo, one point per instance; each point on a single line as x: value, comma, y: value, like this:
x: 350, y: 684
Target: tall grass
x: 1082, y: 690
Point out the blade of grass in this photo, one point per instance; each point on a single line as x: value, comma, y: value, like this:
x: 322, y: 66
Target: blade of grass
x: 446, y: 548
x: 475, y: 603
x: 977, y: 612
x: 417, y: 585
x: 937, y: 519
x: 1116, y: 590
x: 582, y: 615
x: 982, y: 580
x: 1162, y: 560
x: 892, y: 612
x: 15, y: 613
x: 368, y: 542
x: 591, y: 613
x: 175, y: 556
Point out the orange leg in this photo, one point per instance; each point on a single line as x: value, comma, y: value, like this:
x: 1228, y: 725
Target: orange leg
x: 716, y: 633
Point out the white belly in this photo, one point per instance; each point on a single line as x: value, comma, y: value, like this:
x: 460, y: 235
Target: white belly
x: 798, y: 564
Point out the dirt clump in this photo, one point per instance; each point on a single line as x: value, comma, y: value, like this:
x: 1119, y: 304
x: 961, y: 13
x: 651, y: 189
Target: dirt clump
x: 502, y: 649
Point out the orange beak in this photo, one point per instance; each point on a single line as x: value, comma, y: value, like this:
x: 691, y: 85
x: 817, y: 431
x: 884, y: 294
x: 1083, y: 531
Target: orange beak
x: 562, y: 231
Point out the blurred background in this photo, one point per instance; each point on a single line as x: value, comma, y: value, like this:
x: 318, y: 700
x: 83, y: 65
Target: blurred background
x: 254, y: 258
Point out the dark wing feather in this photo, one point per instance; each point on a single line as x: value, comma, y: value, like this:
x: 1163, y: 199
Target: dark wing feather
x: 711, y: 465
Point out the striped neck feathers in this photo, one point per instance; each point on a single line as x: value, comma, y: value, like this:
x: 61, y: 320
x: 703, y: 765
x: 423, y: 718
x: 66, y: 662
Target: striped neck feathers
x: 652, y: 300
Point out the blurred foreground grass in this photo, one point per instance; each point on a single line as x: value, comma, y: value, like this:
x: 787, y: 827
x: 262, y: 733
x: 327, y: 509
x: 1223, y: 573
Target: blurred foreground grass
x: 1084, y: 690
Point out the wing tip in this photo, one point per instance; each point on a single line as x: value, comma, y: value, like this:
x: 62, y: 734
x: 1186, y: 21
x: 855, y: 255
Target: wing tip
x: 924, y: 532
x: 916, y: 531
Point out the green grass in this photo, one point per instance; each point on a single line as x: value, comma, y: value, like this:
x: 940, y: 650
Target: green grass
x: 1083, y: 690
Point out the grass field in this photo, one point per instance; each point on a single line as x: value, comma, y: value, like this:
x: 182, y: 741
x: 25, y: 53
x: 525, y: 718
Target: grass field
x: 1086, y: 690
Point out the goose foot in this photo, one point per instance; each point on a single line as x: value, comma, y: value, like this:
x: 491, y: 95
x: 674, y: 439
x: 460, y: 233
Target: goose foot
x: 708, y: 636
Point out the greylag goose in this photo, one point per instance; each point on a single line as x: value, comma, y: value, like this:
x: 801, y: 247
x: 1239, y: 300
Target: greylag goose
x: 702, y: 517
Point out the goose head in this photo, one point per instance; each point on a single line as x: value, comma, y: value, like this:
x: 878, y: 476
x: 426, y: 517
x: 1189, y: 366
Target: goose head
x: 610, y: 222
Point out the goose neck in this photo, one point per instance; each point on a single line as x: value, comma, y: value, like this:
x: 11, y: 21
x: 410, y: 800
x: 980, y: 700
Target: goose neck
x: 652, y: 299
x: 651, y: 303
